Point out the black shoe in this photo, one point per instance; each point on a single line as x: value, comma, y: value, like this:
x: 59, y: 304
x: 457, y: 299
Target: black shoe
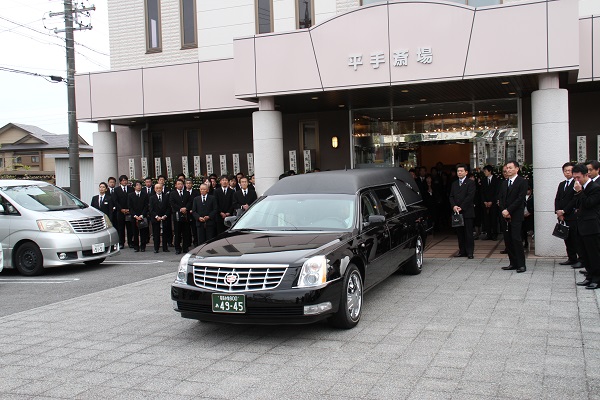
x: 584, y: 272
x: 568, y: 262
x: 470, y: 257
x: 136, y: 250
x: 177, y: 251
x: 577, y: 265
x: 522, y: 269
x: 509, y: 268
x: 503, y: 252
x: 156, y: 251
x: 583, y: 283
x: 460, y: 255
x: 143, y: 249
x: 166, y: 251
x: 494, y: 238
x: 593, y: 286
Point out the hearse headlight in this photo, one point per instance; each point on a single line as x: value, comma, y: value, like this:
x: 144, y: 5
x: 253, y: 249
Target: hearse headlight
x: 107, y: 221
x: 182, y: 270
x: 313, y: 272
x: 54, y: 226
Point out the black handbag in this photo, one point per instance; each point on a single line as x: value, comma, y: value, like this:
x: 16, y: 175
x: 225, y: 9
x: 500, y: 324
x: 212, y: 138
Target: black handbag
x: 457, y: 220
x: 143, y: 223
x: 561, y: 230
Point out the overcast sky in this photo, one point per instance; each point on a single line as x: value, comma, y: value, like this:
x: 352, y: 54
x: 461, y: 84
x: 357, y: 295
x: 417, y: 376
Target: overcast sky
x: 35, y: 48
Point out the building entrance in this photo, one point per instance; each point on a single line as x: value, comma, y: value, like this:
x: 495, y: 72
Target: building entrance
x: 477, y: 133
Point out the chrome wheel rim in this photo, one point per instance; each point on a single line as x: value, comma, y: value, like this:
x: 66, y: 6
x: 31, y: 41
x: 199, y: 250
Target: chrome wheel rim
x: 354, y: 296
x: 419, y: 252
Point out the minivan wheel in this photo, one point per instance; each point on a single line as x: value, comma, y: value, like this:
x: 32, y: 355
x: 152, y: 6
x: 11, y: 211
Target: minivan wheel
x: 350, y: 309
x: 415, y: 263
x: 29, y: 260
x: 97, y: 261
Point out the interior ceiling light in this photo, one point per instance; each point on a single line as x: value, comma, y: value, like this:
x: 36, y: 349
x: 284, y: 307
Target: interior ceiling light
x: 341, y: 106
x: 315, y: 98
x: 422, y: 99
x: 505, y: 83
x: 404, y: 90
x: 512, y: 93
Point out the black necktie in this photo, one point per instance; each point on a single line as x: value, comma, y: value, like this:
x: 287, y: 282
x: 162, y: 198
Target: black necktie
x: 148, y: 190
x: 180, y: 193
x: 203, y: 199
x: 137, y: 194
x: 111, y: 190
x: 101, y: 200
x: 566, y: 184
x: 244, y: 193
x: 159, y: 198
x: 509, y: 182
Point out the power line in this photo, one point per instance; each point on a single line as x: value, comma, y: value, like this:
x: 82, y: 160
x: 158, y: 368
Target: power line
x: 49, y: 78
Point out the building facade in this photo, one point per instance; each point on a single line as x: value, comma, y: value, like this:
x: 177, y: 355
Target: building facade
x: 271, y: 85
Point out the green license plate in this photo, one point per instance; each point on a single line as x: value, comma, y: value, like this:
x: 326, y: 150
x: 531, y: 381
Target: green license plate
x: 229, y: 303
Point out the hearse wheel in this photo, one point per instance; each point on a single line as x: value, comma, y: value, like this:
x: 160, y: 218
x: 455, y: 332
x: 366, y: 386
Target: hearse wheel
x: 415, y: 264
x: 29, y: 260
x: 350, y: 309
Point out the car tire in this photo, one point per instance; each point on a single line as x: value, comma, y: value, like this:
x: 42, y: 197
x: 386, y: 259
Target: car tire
x: 97, y: 261
x: 351, y: 298
x: 29, y: 260
x: 414, y: 265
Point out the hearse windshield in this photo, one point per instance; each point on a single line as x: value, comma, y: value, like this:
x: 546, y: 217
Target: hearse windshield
x: 300, y: 212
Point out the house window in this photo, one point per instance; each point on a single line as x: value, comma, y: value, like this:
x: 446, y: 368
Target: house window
x: 264, y: 16
x: 153, y: 39
x: 18, y: 160
x: 305, y: 13
x: 35, y: 159
x: 189, y: 33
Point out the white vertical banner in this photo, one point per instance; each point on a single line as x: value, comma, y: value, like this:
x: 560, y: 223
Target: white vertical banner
x: 209, y: 164
x: 169, y: 167
x: 293, y: 161
x: 581, y: 149
x: 236, y: 163
x: 598, y: 152
x: 196, y: 165
x: 493, y: 151
x: 501, y: 152
x: 250, y: 158
x: 157, y: 166
x: 521, y: 151
x: 223, y: 164
x: 480, y: 154
x: 144, y: 167
x: 132, y: 168
x: 307, y: 162
x: 184, y: 166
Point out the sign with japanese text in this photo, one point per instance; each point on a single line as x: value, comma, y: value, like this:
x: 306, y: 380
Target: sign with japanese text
x: 521, y: 151
x: 581, y: 149
x: 293, y: 161
x: 424, y: 55
x: 480, y: 154
x: 196, y: 165
x: 307, y: 161
x: 223, y: 164
x: 209, y: 164
x: 169, y: 167
x: 236, y: 163
x: 131, y: 168
x: 184, y: 165
x: 250, y: 158
x: 144, y: 167
x: 501, y: 151
x: 157, y: 166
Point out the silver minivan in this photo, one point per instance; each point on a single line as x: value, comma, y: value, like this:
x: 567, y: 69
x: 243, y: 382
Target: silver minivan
x: 42, y: 225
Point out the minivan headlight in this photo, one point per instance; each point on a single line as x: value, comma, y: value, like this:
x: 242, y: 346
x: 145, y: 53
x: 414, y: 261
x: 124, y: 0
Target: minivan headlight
x: 54, y: 226
x: 182, y: 270
x: 107, y: 221
x: 313, y: 272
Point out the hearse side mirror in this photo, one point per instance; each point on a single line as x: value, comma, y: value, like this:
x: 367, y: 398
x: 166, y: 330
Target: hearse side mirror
x: 375, y: 220
x: 230, y: 220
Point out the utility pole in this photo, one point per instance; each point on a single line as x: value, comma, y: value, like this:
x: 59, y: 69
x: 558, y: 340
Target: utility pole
x: 70, y: 14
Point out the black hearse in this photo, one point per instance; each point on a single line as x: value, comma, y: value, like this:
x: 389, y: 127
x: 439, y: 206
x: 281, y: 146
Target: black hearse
x: 307, y: 250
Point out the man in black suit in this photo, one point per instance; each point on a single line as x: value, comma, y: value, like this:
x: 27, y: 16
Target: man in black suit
x: 462, y: 196
x: 121, y: 193
x: 159, y: 209
x: 148, y: 186
x: 205, y: 213
x: 512, y: 203
x: 564, y: 207
x: 138, y: 207
x: 112, y: 184
x: 189, y: 187
x: 489, y: 198
x: 587, y: 198
x: 104, y: 202
x: 243, y: 198
x: 179, y: 199
x: 168, y: 224
x: 224, y: 196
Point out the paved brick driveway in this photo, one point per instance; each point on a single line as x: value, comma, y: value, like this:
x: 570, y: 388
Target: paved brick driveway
x: 460, y: 330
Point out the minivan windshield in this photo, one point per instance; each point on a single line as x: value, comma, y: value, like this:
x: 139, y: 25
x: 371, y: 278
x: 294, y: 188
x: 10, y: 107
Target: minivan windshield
x: 302, y: 212
x: 40, y: 197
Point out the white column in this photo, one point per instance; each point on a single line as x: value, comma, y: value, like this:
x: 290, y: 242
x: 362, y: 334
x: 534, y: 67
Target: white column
x: 550, y: 144
x: 267, y: 130
x: 105, y: 153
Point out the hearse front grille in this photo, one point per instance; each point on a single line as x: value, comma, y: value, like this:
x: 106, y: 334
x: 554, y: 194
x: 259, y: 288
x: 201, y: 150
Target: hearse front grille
x: 238, y: 278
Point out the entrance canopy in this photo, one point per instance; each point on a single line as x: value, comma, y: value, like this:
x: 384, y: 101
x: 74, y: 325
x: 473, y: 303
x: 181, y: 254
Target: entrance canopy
x: 405, y: 42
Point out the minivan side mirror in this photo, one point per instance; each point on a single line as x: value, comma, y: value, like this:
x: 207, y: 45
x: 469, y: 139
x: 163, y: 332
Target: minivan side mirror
x: 376, y: 220
x: 230, y: 220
